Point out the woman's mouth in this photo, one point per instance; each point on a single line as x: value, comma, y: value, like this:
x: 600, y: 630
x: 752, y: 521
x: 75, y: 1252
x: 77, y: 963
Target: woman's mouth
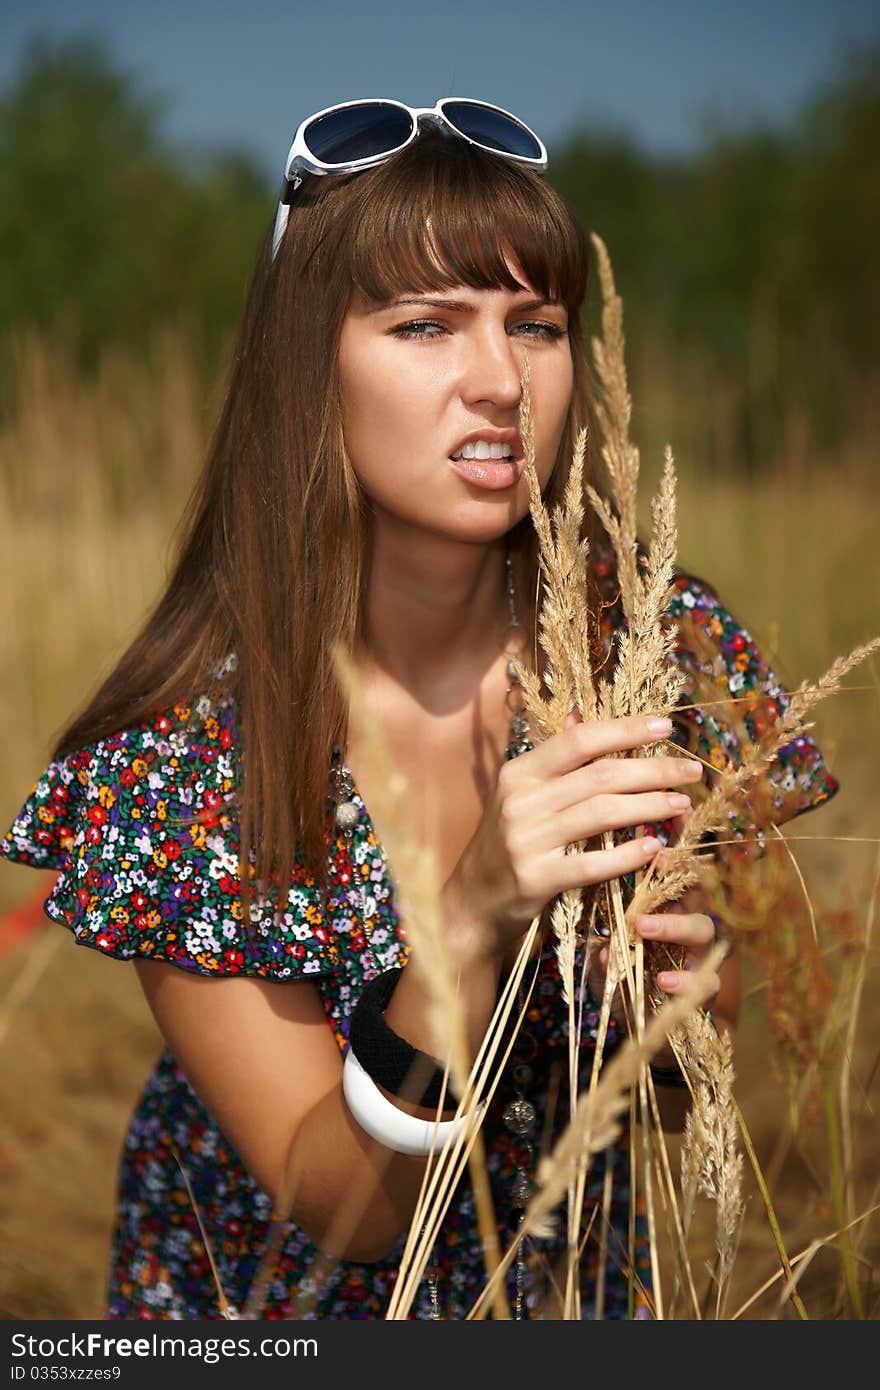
x: 493, y: 475
x: 484, y: 449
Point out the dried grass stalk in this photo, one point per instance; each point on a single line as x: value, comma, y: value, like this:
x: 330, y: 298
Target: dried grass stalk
x: 710, y: 1159
x: 597, y: 1122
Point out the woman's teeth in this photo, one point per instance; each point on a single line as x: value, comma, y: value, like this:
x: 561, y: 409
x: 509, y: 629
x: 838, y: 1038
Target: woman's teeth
x: 482, y: 449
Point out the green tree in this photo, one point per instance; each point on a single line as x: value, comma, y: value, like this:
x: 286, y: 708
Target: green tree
x: 105, y: 234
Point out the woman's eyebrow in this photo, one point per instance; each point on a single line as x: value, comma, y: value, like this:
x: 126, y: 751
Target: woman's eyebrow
x: 457, y: 305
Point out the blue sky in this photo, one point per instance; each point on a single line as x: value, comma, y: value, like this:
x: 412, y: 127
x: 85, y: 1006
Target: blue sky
x: 246, y: 72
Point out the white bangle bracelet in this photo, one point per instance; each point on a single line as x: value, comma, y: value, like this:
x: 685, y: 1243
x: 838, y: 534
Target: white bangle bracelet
x: 384, y: 1122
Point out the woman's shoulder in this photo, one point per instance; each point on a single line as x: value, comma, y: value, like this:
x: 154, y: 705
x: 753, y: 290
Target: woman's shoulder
x: 181, y: 761
x: 143, y: 827
x: 734, y: 697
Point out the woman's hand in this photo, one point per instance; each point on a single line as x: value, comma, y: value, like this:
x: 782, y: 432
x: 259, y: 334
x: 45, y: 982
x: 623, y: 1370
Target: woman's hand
x: 568, y: 789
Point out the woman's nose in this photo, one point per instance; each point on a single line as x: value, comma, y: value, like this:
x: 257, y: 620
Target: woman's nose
x: 492, y: 369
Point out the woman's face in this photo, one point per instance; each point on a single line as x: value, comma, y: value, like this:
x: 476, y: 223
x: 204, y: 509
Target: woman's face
x: 424, y: 374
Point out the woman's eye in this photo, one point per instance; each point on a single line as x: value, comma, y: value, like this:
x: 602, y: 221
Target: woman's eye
x: 545, y: 330
x: 413, y: 330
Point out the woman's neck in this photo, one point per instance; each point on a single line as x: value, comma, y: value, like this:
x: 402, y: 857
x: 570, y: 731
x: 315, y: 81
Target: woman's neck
x: 436, y: 613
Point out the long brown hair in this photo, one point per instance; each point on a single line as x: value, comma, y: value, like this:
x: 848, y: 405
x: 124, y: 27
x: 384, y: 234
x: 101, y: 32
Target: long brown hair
x: 274, y: 545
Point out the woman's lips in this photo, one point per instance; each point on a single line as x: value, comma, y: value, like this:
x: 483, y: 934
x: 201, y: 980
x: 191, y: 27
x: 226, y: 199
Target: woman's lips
x: 492, y: 475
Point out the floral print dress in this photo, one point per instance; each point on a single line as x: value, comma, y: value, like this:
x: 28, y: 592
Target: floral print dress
x: 137, y: 878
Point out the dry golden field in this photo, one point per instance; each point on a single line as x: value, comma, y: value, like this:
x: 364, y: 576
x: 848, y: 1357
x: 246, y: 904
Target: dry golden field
x: 92, y: 481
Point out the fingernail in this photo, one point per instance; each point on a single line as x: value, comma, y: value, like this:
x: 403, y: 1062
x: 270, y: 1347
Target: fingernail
x: 693, y: 770
x: 667, y: 981
x: 648, y: 927
x: 656, y: 725
x: 650, y: 847
x: 679, y: 801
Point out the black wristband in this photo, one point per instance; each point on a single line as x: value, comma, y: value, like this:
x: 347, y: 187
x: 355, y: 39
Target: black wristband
x: 386, y: 1057
x: 669, y: 1076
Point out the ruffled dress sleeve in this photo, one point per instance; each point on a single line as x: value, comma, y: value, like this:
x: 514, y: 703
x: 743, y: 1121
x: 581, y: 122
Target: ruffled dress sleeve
x: 140, y: 876
x: 735, y: 699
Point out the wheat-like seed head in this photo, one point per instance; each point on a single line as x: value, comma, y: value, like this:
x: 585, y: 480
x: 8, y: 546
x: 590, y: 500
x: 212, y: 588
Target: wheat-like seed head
x: 710, y: 1160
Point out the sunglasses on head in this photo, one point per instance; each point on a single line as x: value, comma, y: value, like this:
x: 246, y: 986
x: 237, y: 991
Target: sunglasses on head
x: 358, y: 134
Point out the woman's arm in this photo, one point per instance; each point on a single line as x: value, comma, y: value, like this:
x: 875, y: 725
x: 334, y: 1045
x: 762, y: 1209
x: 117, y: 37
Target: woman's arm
x: 263, y: 1060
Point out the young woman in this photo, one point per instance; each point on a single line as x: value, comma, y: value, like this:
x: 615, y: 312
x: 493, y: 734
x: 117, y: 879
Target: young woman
x: 365, y: 486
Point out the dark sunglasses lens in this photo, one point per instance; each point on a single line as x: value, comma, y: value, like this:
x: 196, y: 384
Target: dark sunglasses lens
x: 358, y: 132
x: 491, y: 127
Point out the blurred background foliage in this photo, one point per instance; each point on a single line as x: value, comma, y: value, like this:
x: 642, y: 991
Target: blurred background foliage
x: 111, y: 235
x: 751, y: 263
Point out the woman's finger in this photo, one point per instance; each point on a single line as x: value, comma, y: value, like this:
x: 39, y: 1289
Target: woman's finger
x: 674, y: 981
x: 620, y: 776
x: 677, y: 928
x: 601, y: 813
x: 599, y: 865
x: 583, y: 742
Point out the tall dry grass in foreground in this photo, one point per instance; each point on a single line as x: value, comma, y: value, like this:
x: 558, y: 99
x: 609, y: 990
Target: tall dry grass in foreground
x: 641, y: 677
x: 93, y: 480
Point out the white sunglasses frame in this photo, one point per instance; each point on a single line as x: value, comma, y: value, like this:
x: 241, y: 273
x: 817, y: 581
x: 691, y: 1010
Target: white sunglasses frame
x: 300, y: 159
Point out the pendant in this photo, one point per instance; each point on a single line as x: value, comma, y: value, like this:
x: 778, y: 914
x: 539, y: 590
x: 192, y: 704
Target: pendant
x: 347, y: 816
x: 519, y: 1116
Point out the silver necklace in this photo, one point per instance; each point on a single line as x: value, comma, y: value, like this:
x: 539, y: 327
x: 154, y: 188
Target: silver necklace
x: 519, y: 1114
